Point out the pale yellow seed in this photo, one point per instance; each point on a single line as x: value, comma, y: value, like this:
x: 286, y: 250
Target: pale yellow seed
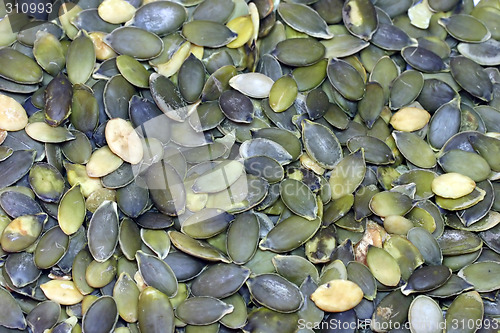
x: 243, y: 26
x: 102, y: 162
x: 124, y: 141
x: 452, y: 185
x: 13, y: 117
x: 410, y: 119
x: 102, y: 50
x: 337, y: 296
x: 172, y: 66
x: 116, y: 11
x: 62, y: 292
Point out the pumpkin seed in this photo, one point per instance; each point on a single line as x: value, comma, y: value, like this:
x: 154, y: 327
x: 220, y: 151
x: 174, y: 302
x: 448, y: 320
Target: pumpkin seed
x: 202, y: 310
x: 155, y: 311
x: 360, y: 18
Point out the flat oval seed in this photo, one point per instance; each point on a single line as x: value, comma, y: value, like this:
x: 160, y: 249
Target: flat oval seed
x: 475, y: 309
x: 11, y: 316
x: 406, y: 88
x: 299, y: 51
x: 203, y: 310
x: 425, y: 315
x: 101, y: 316
x: 255, y: 85
x: 390, y: 203
x: 236, y: 106
x: 126, y: 296
x: 347, y: 174
x: 482, y: 275
x: 157, y: 240
x: 266, y: 320
x: 452, y: 185
x: 156, y: 273
x: 51, y: 248
x: 426, y: 244
x: 242, y: 238
x: 42, y: 132
x: 160, y: 17
x: 103, y: 231
x: 299, y: 198
x: 363, y: 278
x: 456, y: 242
x: 117, y: 94
x: 337, y: 296
x: 295, y: 269
x: 485, y: 53
x: 290, y: 234
x: 123, y: 140
x: 206, y: 223
x: 423, y: 59
x: 265, y: 147
x: 22, y: 232
x: 220, y: 280
x: 191, y: 78
x: 62, y: 292
x: 321, y: 144
x: 99, y: 274
x: 346, y: 79
x: 283, y: 93
x: 360, y: 18
x: 44, y: 316
x: 383, y: 266
x: 21, y: 269
x: 155, y: 312
x: 13, y: 117
x: 414, y: 149
x: 116, y: 11
x: 426, y: 278
x: 132, y: 70
x: 472, y: 77
x: 410, y: 119
x: 304, y: 19
x: 275, y: 293
x: 195, y: 247
x: 80, y: 59
x: 58, y: 95
x: 71, y: 211
x: 465, y: 28
x: 207, y: 33
x: 18, y: 67
x: 102, y: 162
x: 391, y: 319
x: 124, y: 40
x: 375, y: 151
x: 444, y: 124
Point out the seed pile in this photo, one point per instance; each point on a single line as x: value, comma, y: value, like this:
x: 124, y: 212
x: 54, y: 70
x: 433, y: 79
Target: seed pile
x: 224, y: 166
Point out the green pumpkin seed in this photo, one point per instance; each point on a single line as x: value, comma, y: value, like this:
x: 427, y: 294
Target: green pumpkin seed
x: 283, y: 93
x: 19, y: 68
x: 361, y: 275
x: 202, y: 310
x: 390, y: 203
x: 71, y: 211
x: 99, y: 274
x: 475, y: 310
x: 42, y: 132
x: 304, y: 19
x: 21, y: 269
x: 266, y: 320
x: 51, y: 248
x: 220, y: 280
x: 423, y: 59
x: 237, y: 318
x: 242, y: 238
x: 156, y: 273
x: 88, y: 20
x: 485, y: 53
x: 390, y: 37
x: 275, y: 292
x: 117, y: 93
x: 476, y: 31
x: 84, y: 110
x: 454, y: 286
x: 455, y: 242
x: 207, y: 33
x: 295, y: 269
x: 414, y: 149
x: 195, y: 247
x: 206, y: 223
x: 385, y: 318
x: 103, y: 231
x: 155, y: 312
x: 321, y: 144
x: 102, y: 315
x: 12, y: 317
x: 360, y: 18
x: 383, y: 266
x: 406, y: 88
x: 58, y: 95
x: 480, y: 275
x: 150, y: 17
x: 299, y: 198
x: 346, y: 79
x: 426, y: 244
x: 283, y: 237
x: 44, y: 316
x: 132, y: 199
x: 299, y: 51
x: 463, y: 202
x: 427, y: 278
x: 122, y: 41
x: 49, y: 52
x: 133, y: 71
x: 80, y: 59
x: 157, y: 240
x: 126, y: 296
x: 191, y: 78
x: 47, y: 182
x: 472, y: 77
